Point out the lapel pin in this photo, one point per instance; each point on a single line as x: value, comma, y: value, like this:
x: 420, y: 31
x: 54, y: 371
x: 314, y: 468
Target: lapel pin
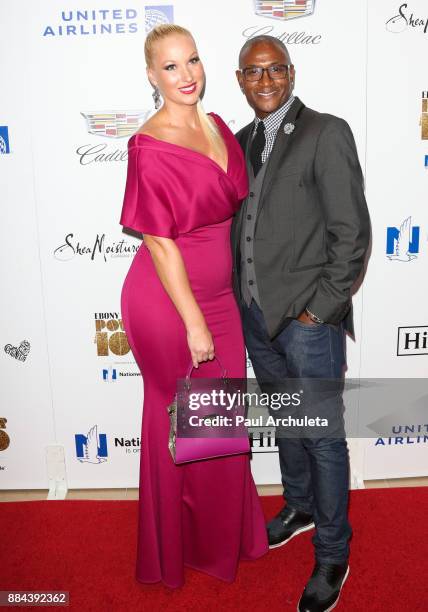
x: 289, y: 128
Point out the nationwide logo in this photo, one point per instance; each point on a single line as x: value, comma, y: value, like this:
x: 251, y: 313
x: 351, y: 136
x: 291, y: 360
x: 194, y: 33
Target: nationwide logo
x: 424, y: 116
x: 114, y: 124
x: 99, y: 248
x: 402, y: 243
x: 4, y: 140
x: 412, y: 341
x: 4, y: 438
x: 20, y: 352
x: 110, y: 336
x: 405, y: 19
x: 284, y: 9
x: 92, y: 447
x: 104, y: 22
x: 111, y: 374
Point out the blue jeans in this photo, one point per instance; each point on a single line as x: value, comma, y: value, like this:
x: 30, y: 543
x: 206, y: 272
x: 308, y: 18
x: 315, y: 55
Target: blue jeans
x: 314, y: 471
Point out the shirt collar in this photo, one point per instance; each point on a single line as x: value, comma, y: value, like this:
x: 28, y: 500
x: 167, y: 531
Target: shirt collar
x: 274, y: 120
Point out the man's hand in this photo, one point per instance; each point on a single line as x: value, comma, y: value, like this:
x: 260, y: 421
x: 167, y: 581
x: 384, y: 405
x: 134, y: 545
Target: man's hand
x: 305, y: 318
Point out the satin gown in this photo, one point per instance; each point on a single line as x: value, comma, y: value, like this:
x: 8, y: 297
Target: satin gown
x: 204, y: 514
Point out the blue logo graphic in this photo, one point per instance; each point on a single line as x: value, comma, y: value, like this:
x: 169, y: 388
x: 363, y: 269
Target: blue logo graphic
x: 156, y: 15
x: 109, y: 374
x: 91, y: 448
x: 402, y: 244
x: 4, y: 140
x: 102, y: 22
x: 426, y: 161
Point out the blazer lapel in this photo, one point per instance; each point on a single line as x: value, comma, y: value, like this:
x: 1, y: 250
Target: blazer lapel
x: 245, y: 142
x: 280, y: 147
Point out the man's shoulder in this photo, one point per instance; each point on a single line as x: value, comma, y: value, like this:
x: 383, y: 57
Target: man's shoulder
x: 243, y: 132
x: 323, y: 120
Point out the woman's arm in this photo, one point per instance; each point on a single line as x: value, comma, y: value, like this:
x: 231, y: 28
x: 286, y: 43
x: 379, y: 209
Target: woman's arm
x: 172, y: 273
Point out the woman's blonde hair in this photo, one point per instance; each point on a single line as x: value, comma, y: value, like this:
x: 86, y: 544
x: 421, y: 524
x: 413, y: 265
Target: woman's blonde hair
x: 159, y: 33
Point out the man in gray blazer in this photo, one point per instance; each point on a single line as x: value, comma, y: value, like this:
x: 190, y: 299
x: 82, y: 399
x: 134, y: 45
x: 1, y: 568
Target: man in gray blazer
x: 299, y: 244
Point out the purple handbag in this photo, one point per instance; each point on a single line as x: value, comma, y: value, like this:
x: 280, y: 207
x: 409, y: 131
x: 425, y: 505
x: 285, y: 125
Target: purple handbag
x: 218, y: 441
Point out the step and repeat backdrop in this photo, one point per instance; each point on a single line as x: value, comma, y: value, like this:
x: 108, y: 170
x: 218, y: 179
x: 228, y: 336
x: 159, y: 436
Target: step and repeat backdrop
x: 73, y: 90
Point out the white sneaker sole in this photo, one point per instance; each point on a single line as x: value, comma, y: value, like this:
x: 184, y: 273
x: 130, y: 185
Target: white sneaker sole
x: 338, y: 596
x: 295, y: 533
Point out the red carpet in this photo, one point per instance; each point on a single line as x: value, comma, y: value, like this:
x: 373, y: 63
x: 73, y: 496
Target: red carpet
x: 88, y: 549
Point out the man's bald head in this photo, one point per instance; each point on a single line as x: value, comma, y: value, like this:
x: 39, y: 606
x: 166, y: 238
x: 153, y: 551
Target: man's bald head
x: 262, y: 39
x: 266, y: 74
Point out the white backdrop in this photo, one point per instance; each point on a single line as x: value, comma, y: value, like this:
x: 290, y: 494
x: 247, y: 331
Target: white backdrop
x: 73, y: 86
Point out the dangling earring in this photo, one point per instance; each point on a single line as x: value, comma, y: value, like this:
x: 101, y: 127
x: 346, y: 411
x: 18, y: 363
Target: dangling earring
x: 156, y: 97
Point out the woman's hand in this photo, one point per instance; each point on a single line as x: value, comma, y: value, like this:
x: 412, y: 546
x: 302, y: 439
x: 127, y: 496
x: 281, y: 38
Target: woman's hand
x: 201, y: 344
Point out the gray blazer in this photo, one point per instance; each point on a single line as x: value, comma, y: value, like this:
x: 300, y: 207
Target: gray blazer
x: 313, y: 228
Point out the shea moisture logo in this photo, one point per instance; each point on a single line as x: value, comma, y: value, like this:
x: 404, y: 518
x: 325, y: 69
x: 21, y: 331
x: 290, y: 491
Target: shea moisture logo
x: 99, y: 248
x: 405, y: 19
x: 110, y: 337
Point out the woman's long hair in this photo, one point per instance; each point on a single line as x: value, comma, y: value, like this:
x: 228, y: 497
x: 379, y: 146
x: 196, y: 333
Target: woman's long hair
x: 159, y: 33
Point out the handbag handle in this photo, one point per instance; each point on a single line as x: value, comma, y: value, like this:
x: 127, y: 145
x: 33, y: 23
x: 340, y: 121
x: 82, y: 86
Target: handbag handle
x: 192, y: 367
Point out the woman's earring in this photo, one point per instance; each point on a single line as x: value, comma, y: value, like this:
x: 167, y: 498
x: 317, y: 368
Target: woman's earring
x: 156, y: 97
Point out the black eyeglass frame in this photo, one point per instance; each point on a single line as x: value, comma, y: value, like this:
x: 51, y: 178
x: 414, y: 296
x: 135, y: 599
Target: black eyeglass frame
x: 268, y: 70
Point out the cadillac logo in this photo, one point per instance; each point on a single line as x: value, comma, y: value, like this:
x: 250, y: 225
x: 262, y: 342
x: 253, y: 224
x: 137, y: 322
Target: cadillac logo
x: 284, y: 9
x: 114, y: 124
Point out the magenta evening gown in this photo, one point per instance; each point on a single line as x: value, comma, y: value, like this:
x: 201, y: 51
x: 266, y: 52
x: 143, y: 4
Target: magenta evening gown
x: 205, y: 514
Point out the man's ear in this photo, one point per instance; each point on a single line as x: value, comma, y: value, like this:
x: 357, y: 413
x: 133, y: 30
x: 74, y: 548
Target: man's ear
x: 292, y: 75
x: 240, y: 79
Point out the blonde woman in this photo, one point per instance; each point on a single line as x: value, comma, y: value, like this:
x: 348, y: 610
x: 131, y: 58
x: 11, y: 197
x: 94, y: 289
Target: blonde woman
x: 186, y: 179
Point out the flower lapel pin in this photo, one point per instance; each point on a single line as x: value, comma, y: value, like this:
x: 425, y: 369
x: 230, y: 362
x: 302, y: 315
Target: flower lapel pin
x: 289, y: 128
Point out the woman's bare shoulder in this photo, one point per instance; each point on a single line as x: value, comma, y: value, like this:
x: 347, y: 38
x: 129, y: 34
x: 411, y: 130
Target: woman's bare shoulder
x: 152, y: 127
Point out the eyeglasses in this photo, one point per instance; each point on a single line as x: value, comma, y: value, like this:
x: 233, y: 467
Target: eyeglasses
x: 255, y: 73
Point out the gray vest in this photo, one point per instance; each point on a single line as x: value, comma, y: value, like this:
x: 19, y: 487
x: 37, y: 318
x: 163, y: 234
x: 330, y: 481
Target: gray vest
x: 249, y: 287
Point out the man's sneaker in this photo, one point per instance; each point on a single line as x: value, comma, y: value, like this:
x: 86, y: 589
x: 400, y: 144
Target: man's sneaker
x: 322, y: 592
x: 287, y: 524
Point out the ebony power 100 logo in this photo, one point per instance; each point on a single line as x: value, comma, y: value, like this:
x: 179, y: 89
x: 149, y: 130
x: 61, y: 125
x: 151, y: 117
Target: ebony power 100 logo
x: 110, y: 336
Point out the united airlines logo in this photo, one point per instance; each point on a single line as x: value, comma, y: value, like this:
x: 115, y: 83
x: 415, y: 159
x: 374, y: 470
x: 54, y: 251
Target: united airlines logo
x: 114, y: 124
x: 402, y: 243
x: 4, y: 140
x: 92, y: 447
x: 157, y: 15
x: 107, y: 21
x: 284, y: 9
